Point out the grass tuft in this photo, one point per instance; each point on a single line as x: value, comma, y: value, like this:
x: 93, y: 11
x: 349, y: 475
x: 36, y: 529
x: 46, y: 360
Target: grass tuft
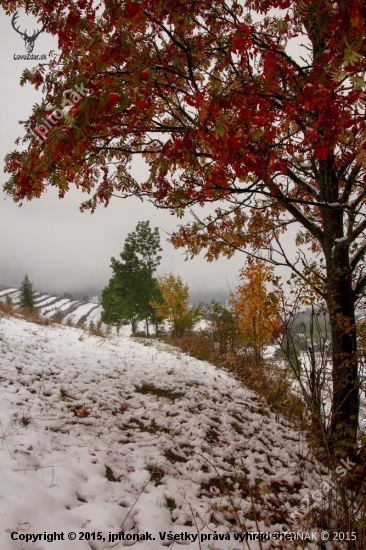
x: 156, y: 475
x: 110, y: 475
x: 159, y: 392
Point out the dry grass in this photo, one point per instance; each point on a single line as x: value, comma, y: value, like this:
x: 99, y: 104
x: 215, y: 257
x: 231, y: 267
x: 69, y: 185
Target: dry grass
x: 269, y: 378
x: 98, y: 331
x: 159, y: 392
x: 8, y: 310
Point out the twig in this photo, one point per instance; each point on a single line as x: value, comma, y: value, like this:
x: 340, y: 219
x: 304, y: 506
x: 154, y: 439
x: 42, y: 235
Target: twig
x: 140, y: 493
x: 111, y: 418
x: 4, y: 438
x: 53, y: 473
x: 40, y: 385
x: 225, y: 490
x: 252, y: 501
x: 195, y: 522
x: 11, y: 433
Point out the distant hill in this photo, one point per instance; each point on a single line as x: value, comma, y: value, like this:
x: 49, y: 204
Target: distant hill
x: 62, y: 309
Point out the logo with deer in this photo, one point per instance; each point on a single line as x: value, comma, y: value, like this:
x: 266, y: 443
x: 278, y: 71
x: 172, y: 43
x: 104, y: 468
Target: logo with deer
x: 29, y: 39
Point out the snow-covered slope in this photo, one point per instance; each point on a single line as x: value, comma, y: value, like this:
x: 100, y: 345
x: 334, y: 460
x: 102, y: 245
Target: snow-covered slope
x: 67, y: 311
x: 109, y: 435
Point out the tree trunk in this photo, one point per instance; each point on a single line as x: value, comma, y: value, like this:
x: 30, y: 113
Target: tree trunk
x: 340, y: 299
x: 345, y: 399
x: 341, y: 306
x: 256, y: 343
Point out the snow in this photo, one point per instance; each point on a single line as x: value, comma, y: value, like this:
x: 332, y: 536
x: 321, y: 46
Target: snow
x: 270, y: 352
x: 66, y: 304
x: 41, y: 302
x: 76, y: 315
x: 94, y: 315
x: 60, y: 305
x: 13, y: 295
x: 104, y: 435
x: 7, y: 291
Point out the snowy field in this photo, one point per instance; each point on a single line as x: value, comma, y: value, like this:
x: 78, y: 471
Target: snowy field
x: 70, y: 310
x: 109, y: 435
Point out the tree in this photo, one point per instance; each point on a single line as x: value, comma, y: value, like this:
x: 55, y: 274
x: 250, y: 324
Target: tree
x: 223, y: 326
x: 114, y: 306
x: 126, y: 299
x: 256, y: 308
x: 27, y: 294
x: 173, y: 305
x: 224, y: 111
x: 68, y: 296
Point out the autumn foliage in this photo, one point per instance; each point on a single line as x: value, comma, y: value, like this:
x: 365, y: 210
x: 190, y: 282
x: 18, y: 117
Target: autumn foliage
x: 173, y: 305
x: 255, y: 108
x: 256, y: 308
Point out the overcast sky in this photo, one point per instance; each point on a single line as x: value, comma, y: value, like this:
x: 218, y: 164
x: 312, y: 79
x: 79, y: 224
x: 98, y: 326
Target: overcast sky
x: 61, y: 249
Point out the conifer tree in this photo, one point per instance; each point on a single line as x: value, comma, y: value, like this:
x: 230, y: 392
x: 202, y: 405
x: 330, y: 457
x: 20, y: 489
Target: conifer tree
x: 27, y: 294
x: 126, y: 298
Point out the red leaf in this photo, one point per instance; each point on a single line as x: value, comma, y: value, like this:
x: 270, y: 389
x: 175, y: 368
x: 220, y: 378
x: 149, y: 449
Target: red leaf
x: 276, y: 165
x: 132, y: 8
x: 142, y: 104
x: 321, y: 152
x: 74, y: 110
x: 114, y: 97
x: 239, y: 43
x: 188, y: 100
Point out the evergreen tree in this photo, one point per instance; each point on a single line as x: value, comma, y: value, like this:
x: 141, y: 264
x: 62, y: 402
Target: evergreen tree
x: 27, y: 294
x: 126, y: 298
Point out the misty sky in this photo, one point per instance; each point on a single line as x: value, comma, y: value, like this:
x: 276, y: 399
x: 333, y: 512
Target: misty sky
x: 60, y: 248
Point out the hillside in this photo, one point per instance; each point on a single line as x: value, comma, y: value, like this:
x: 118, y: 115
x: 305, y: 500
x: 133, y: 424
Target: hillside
x: 103, y: 435
x: 65, y: 310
